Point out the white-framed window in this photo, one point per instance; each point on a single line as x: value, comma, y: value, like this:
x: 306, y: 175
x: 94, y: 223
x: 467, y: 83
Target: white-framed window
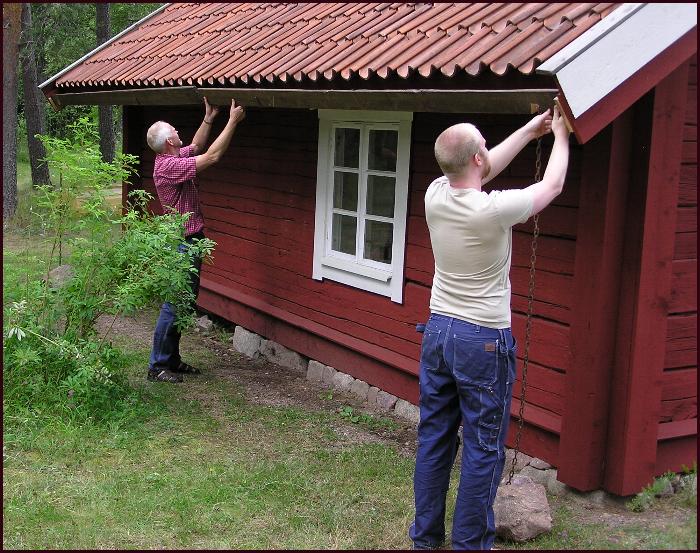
x: 361, y: 198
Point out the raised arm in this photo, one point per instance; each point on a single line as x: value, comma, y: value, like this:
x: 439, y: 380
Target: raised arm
x: 220, y: 145
x: 500, y: 156
x: 552, y: 182
x: 200, y: 137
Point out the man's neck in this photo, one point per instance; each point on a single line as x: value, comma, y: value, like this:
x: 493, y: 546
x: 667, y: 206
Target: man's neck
x: 465, y: 182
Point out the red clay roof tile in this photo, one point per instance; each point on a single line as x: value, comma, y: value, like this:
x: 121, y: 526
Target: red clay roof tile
x: 238, y: 43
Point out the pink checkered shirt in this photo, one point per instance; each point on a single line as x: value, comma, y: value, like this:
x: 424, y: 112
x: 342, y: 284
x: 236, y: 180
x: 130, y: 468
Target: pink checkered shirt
x: 174, y: 177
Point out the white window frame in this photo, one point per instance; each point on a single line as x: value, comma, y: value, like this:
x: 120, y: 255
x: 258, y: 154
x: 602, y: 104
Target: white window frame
x: 372, y: 276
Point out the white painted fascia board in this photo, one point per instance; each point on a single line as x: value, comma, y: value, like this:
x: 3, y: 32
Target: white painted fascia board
x: 100, y: 47
x: 588, y: 74
x: 570, y: 52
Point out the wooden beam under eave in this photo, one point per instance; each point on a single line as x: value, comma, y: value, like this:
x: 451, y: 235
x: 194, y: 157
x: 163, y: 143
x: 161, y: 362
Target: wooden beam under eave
x: 442, y: 101
x: 134, y: 97
x: 519, y: 101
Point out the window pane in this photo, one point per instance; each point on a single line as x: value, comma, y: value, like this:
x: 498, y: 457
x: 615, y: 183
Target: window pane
x: 344, y: 233
x: 347, y: 148
x: 345, y: 191
x: 382, y: 150
x: 380, y: 195
x: 378, y: 241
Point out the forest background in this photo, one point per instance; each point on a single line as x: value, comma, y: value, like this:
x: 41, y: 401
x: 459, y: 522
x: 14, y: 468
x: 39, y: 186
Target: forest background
x: 39, y: 40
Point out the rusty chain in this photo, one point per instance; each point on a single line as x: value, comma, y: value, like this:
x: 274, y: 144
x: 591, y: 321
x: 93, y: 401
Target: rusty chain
x: 528, y: 318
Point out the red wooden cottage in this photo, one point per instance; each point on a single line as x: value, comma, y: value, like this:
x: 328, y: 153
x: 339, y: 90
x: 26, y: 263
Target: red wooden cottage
x: 317, y: 208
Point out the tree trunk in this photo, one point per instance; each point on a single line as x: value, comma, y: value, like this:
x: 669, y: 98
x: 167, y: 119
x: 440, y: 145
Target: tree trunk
x: 11, y: 26
x: 106, y: 118
x: 41, y: 15
x: 34, y: 113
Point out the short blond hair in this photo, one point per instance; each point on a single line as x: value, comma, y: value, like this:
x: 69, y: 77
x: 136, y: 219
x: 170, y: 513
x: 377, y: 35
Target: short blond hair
x: 455, y: 146
x: 157, y: 135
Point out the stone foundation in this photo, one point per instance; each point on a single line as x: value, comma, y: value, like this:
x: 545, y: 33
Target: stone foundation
x: 254, y: 346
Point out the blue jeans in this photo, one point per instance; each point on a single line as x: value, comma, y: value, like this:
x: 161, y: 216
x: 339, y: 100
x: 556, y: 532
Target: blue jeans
x: 466, y: 375
x: 166, y: 338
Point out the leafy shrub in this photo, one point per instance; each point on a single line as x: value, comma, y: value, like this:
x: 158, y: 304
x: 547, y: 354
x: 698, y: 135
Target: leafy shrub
x: 54, y: 376
x: 55, y: 362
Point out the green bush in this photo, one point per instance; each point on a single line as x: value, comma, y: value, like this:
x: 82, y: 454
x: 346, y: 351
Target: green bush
x: 56, y: 377
x: 55, y: 361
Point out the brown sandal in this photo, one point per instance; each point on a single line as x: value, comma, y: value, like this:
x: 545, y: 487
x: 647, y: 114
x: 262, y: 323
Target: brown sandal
x: 163, y: 375
x: 184, y: 368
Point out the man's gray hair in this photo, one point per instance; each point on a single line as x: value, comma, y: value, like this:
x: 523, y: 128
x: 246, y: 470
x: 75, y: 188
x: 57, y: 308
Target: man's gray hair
x: 455, y: 146
x: 156, y: 136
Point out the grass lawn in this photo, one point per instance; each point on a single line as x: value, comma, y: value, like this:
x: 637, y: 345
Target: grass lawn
x: 210, y: 465
x: 180, y: 476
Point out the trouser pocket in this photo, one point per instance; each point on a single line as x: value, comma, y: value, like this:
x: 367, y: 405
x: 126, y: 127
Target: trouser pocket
x: 490, y: 420
x: 478, y: 368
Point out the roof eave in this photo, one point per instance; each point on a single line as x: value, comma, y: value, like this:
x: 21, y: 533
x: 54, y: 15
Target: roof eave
x: 510, y: 101
x: 47, y: 87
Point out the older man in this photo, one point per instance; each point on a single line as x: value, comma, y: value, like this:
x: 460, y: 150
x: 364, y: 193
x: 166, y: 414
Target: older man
x: 174, y: 175
x: 467, y: 364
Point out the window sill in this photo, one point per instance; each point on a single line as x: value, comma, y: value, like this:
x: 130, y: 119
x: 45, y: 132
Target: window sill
x: 356, y: 268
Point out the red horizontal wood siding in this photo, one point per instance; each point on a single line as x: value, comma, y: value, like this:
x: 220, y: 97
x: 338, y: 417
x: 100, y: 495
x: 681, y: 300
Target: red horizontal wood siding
x: 259, y: 206
x: 679, y: 393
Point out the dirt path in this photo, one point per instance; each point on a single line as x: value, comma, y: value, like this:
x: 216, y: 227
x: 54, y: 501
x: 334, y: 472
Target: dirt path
x: 264, y: 383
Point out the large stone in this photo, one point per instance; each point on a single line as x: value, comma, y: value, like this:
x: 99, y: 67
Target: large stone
x: 536, y: 475
x: 554, y: 486
x: 540, y: 464
x: 328, y: 375
x: 315, y: 371
x: 667, y: 490
x: 676, y: 483
x: 342, y: 381
x: 60, y: 276
x: 690, y: 481
x: 372, y: 395
x: 522, y: 461
x: 204, y: 323
x: 521, y: 510
x: 360, y: 388
x: 280, y: 355
x: 246, y: 342
x: 385, y: 400
x: 407, y: 410
x: 597, y: 497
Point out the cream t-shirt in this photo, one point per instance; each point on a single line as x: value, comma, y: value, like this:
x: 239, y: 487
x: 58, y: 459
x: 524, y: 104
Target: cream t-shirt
x: 470, y: 232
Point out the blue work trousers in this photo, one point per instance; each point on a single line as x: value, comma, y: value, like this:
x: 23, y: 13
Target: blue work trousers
x: 466, y: 375
x: 166, y: 338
